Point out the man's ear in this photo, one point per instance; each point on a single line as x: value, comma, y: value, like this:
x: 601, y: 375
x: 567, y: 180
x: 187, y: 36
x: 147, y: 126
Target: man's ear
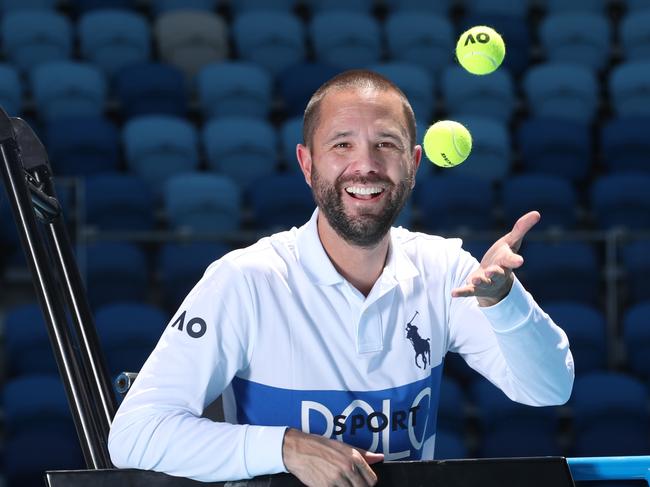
x: 304, y: 160
x: 417, y: 158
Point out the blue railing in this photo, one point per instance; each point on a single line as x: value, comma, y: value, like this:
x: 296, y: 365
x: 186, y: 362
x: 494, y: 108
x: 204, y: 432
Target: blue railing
x: 610, y: 468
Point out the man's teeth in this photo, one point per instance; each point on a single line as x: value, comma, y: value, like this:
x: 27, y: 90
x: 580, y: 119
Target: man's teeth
x: 360, y: 190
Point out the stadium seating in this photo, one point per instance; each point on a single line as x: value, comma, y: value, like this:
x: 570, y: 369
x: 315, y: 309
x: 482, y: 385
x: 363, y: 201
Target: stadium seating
x: 421, y: 38
x: 290, y: 136
x: 625, y: 144
x: 12, y: 5
x: 362, y: 6
x: 203, y: 203
x: 453, y: 201
x: 490, y: 96
x: 514, y: 8
x: 235, y: 88
x: 636, y: 337
x: 629, y: 89
x: 635, y: 257
x: 128, y: 332
x: 244, y: 149
x: 580, y: 38
x: 163, y: 6
x: 553, y: 6
x: 68, y: 89
x: 118, y: 201
x: 283, y: 201
x: 560, y: 271
x: 190, y: 39
x: 114, y: 39
x: 556, y: 146
x: 345, y: 39
x: 159, y: 146
x: 561, y: 90
x: 241, y: 6
x: 11, y: 90
x: 585, y: 326
x: 440, y: 7
x: 83, y: 6
x: 181, y: 266
x: 451, y: 408
x: 552, y: 196
x: 273, y: 40
x: 82, y: 146
x: 621, y: 200
x: 416, y: 83
x: 151, y: 89
x: 114, y: 271
x: 635, y: 35
x: 450, y: 445
x: 297, y: 83
x: 33, y: 37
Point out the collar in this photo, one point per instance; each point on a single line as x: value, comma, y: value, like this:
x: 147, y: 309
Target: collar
x: 318, y: 265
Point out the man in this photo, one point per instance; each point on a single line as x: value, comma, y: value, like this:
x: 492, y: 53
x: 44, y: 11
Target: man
x: 327, y: 341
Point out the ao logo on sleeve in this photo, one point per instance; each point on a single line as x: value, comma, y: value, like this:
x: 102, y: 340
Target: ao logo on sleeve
x: 195, y: 328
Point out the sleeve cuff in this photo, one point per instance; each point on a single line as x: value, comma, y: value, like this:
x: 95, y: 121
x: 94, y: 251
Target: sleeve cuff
x: 263, y: 450
x: 512, y: 311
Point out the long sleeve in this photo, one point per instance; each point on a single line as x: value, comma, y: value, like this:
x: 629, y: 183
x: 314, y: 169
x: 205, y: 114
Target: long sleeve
x: 159, y: 424
x: 514, y: 344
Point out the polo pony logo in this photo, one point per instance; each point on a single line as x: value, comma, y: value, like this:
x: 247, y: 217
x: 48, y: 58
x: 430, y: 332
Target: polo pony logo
x: 420, y: 345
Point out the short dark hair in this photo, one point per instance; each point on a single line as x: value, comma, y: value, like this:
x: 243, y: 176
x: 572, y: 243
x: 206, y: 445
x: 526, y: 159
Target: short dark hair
x: 354, y: 78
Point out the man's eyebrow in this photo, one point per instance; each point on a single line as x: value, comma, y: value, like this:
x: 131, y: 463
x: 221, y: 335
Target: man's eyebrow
x: 399, y: 137
x: 338, y: 135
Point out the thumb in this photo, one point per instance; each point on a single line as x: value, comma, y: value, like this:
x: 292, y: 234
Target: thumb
x: 371, y: 457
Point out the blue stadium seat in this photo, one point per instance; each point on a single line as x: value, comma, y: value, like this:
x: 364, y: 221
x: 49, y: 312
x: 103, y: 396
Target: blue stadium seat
x: 203, y: 203
x: 440, y: 7
x: 159, y: 7
x: 244, y: 149
x: 11, y: 90
x: 290, y: 136
x: 151, y: 89
x: 67, y: 89
x: 510, y: 429
x: 282, y: 202
x: 450, y: 445
x: 82, y: 146
x: 159, y: 146
x: 182, y: 265
x: 297, y: 83
x: 514, y: 32
x: 560, y: 90
x: 629, y: 89
x: 117, y: 201
x: 115, y: 271
x: 515, y: 8
x: 582, y: 38
x: 234, y: 88
x: 27, y: 344
x: 33, y: 37
x: 635, y: 257
x: 622, y: 200
x: 487, y: 96
x: 490, y: 158
x: 625, y: 144
x: 274, y: 40
x: 361, y: 6
x: 113, y: 39
x: 609, y: 415
x: 554, y: 197
x: 128, y: 332
x: 556, y: 146
x: 585, y: 327
x: 553, y: 6
x: 451, y: 407
x: 346, y: 39
x: 34, y: 401
x: 241, y: 6
x: 636, y: 336
x: 420, y: 37
x: 191, y: 39
x: 416, y: 83
x: 453, y: 201
x: 13, y: 5
x: 83, y: 6
x: 635, y: 35
x: 565, y: 270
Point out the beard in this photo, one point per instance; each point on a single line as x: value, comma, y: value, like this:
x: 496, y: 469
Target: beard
x: 365, y: 229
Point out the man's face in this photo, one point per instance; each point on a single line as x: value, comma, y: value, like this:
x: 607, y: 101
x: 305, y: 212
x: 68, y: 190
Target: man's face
x: 360, y: 165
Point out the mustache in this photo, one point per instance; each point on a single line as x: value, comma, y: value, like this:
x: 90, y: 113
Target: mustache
x: 343, y: 182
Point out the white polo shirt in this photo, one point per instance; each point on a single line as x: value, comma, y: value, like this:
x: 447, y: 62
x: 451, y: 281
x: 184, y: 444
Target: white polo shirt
x: 289, y: 342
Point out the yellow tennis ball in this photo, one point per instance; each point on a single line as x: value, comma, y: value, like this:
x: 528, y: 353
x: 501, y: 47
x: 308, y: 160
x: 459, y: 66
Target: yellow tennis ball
x: 480, y: 50
x: 447, y: 143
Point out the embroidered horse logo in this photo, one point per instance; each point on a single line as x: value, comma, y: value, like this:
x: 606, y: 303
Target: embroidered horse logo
x: 420, y: 345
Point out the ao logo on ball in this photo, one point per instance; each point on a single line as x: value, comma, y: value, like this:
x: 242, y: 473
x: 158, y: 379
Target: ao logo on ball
x: 480, y: 50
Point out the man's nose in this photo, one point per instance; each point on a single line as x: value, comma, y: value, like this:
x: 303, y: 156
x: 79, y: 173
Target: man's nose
x: 365, y: 159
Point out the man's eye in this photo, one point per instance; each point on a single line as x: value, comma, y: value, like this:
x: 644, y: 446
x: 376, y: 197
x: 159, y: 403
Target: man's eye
x: 388, y: 145
x: 342, y: 145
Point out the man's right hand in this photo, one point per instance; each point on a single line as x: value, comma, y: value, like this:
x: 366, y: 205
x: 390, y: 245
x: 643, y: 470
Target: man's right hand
x: 321, y: 462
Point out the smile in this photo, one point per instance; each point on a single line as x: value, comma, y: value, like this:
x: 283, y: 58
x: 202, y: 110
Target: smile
x: 364, y: 192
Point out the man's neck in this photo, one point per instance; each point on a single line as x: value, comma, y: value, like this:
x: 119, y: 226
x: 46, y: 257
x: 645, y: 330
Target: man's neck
x: 360, y: 266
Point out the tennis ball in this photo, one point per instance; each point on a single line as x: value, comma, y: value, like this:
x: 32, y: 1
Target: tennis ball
x: 447, y: 143
x: 480, y: 50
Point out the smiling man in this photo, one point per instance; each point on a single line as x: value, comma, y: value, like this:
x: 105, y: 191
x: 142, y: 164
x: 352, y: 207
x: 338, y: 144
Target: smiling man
x: 327, y: 341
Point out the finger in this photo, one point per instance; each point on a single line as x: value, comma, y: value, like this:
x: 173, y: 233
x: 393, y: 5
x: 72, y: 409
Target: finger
x: 371, y: 457
x: 368, y: 476
x: 495, y: 272
x: 521, y: 228
x: 511, y: 261
x: 463, y: 292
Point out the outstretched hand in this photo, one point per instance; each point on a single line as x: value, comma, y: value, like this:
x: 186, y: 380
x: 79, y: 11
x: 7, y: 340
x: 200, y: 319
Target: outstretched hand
x: 493, y: 279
